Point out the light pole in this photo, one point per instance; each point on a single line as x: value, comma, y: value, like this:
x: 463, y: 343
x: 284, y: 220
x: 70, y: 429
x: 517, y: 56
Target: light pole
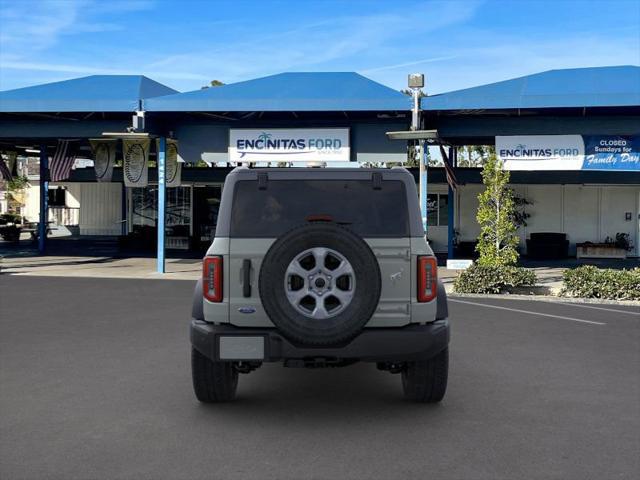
x: 416, y: 83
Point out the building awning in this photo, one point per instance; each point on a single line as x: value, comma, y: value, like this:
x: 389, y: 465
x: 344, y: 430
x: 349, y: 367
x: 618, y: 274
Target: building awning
x: 288, y: 92
x: 617, y: 86
x: 96, y: 93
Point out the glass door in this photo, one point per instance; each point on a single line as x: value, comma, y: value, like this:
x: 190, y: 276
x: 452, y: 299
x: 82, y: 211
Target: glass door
x: 206, y: 203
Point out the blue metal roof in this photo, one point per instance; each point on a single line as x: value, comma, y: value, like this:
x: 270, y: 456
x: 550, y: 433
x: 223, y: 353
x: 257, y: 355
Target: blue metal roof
x: 577, y: 87
x: 307, y: 91
x: 96, y: 93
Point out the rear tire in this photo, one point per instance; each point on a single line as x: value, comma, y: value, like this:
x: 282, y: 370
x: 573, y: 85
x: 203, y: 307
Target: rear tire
x: 213, y: 382
x: 425, y: 381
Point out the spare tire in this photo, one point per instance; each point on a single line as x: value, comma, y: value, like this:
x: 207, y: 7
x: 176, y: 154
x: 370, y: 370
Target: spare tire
x: 320, y: 284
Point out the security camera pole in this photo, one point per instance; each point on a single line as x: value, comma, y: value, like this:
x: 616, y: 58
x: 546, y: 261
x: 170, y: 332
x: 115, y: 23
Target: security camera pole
x: 416, y: 83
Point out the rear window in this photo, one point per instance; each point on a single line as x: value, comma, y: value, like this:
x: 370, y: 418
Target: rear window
x: 285, y: 204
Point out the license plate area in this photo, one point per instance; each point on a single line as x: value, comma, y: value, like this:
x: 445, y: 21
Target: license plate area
x: 240, y: 347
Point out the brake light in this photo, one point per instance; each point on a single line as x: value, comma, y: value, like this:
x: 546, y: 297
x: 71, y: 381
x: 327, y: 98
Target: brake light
x: 427, y: 279
x: 212, y: 278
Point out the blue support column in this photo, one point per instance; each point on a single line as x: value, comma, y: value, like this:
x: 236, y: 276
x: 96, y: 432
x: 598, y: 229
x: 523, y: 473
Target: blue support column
x: 123, y: 211
x: 423, y: 184
x: 162, y: 190
x: 44, y: 199
x: 450, y: 207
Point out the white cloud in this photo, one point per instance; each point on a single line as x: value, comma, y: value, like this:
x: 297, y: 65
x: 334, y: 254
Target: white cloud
x: 30, y: 27
x: 314, y: 46
x: 408, y: 64
x: 499, y: 57
x: 436, y: 37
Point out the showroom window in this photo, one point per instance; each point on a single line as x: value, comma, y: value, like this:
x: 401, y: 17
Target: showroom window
x: 437, y: 210
x: 144, y: 214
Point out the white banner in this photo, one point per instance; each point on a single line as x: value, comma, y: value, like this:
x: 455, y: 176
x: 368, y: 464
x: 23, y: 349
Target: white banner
x: 104, y: 157
x: 289, y: 145
x: 173, y: 167
x: 541, y: 152
x: 136, y: 162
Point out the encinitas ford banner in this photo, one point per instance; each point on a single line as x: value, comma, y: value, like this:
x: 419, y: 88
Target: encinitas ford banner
x: 569, y: 152
x: 541, y: 152
x: 289, y: 145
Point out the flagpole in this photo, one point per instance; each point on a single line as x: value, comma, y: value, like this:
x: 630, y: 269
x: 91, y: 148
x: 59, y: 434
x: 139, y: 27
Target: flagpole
x: 44, y: 199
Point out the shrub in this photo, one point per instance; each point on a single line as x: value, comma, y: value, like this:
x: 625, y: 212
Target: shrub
x: 493, y: 279
x: 592, y: 282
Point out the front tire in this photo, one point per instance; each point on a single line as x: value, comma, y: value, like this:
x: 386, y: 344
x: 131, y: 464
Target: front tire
x: 213, y: 382
x: 425, y: 381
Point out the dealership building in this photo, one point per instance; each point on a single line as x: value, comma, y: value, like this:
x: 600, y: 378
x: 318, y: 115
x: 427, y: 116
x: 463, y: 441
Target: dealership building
x: 571, y: 139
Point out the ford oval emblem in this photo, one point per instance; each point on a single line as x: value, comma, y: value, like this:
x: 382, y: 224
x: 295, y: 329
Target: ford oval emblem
x: 247, y: 310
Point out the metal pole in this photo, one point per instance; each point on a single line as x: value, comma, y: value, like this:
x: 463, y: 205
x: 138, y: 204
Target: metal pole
x: 450, y: 208
x: 162, y: 148
x: 423, y: 183
x: 421, y: 156
x: 415, y: 93
x: 44, y: 199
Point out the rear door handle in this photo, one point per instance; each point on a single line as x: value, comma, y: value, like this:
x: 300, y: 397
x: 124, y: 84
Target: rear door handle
x: 246, y: 278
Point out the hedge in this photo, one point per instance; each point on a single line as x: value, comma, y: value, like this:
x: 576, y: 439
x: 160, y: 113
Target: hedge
x: 494, y: 279
x: 591, y: 282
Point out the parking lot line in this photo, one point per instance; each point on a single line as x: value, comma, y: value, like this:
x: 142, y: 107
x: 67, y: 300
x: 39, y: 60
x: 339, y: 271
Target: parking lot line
x: 572, y: 304
x: 517, y: 310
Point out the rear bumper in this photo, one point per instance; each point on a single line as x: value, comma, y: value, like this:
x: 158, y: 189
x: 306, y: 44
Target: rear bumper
x: 412, y: 342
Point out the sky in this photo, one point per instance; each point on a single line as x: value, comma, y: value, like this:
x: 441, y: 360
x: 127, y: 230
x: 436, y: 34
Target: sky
x: 185, y: 44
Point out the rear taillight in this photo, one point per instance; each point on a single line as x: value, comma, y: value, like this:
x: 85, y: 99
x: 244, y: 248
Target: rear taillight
x: 212, y: 278
x: 427, y: 279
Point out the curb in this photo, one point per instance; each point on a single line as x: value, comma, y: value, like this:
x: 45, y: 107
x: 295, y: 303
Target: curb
x: 547, y: 298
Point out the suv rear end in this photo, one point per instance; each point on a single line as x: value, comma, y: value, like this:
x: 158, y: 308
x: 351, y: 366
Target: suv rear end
x: 319, y: 267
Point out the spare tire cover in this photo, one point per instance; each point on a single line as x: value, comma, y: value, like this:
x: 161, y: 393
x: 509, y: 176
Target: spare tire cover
x: 320, y: 284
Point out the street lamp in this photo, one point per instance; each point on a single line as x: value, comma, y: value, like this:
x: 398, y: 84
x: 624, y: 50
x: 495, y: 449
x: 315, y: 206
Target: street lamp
x: 416, y: 83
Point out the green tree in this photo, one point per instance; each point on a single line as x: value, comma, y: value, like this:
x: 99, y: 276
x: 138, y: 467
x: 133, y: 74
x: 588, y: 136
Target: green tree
x: 497, y: 241
x: 474, y: 155
x: 213, y: 83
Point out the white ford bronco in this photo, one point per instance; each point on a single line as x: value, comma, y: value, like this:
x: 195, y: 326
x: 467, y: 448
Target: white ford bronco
x: 318, y: 267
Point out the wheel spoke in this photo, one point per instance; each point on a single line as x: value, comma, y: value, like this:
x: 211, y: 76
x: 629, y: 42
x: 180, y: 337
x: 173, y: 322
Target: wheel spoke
x: 344, y: 296
x: 319, y: 254
x: 295, y: 296
x: 320, y: 311
x: 296, y: 269
x: 343, y: 269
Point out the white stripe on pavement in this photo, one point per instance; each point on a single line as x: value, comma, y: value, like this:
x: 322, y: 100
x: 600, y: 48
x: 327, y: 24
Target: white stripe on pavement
x: 526, y: 311
x: 572, y: 304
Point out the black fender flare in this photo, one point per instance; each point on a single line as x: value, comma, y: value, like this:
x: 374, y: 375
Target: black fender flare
x: 197, y: 310
x: 443, y: 307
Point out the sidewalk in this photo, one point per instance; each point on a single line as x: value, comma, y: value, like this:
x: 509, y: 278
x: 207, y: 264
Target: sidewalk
x: 549, y: 278
x: 100, y: 267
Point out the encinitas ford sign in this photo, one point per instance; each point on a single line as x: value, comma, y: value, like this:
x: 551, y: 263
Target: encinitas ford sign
x: 541, y: 152
x: 569, y: 152
x: 289, y: 145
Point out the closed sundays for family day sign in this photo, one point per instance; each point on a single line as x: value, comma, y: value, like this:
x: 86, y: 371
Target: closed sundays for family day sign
x: 289, y: 145
x: 569, y: 152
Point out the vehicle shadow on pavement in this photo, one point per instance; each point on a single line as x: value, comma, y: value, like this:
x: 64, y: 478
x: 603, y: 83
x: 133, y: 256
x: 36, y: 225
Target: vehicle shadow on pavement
x: 356, y: 394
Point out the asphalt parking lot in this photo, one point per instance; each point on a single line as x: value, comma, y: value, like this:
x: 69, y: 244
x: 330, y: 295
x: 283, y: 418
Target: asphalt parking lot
x: 95, y: 384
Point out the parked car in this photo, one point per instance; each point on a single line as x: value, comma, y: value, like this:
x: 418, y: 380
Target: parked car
x: 319, y: 268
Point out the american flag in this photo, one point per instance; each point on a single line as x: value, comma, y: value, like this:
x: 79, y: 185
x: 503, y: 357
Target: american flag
x: 62, y: 161
x: 451, y: 175
x: 4, y: 170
